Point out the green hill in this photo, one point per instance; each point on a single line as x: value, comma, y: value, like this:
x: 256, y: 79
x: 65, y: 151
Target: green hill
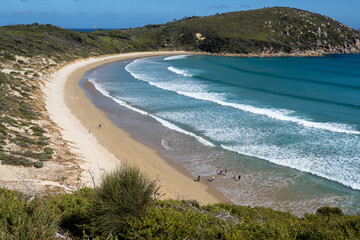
x: 268, y: 30
x: 276, y: 30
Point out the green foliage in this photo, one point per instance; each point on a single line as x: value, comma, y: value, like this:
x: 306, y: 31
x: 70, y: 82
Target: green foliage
x: 38, y: 164
x: 124, y: 194
x: 115, y: 210
x: 37, y: 131
x: 48, y: 151
x: 24, y: 218
x: 15, y: 160
x: 271, y: 30
x: 74, y: 209
x: 27, y: 111
x: 327, y: 211
x: 178, y: 220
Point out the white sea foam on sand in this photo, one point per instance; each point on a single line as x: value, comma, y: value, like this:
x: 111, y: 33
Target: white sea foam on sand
x: 160, y: 120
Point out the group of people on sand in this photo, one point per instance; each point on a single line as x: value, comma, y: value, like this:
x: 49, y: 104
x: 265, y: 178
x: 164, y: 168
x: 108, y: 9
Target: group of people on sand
x: 236, y: 178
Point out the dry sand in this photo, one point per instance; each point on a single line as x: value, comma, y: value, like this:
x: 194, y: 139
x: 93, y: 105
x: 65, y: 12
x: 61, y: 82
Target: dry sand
x: 104, y: 148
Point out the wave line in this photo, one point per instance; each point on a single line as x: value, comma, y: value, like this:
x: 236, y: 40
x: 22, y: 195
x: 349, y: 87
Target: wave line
x: 160, y: 120
x: 332, y: 127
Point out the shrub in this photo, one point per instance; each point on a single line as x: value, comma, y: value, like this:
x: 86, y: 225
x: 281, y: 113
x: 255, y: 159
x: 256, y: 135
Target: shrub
x: 48, y: 151
x: 38, y: 164
x: 327, y: 211
x: 74, y: 210
x: 13, y: 160
x: 21, y: 218
x: 178, y: 220
x: 125, y: 193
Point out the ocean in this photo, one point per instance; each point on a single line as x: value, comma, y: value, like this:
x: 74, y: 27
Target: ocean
x: 289, y: 126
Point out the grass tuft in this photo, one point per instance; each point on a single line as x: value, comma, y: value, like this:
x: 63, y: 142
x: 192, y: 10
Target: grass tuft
x: 125, y: 193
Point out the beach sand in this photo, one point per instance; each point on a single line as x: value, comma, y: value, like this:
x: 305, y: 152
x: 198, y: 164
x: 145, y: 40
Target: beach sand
x: 102, y: 149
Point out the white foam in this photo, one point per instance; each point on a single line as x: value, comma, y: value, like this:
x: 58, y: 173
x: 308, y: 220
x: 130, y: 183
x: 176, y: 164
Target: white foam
x: 277, y: 114
x: 178, y: 129
x: 176, y: 57
x: 179, y: 71
x: 338, y: 173
x: 162, y: 121
x: 120, y: 102
x: 165, y: 144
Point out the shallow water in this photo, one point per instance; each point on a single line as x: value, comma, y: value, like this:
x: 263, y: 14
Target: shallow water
x: 289, y: 126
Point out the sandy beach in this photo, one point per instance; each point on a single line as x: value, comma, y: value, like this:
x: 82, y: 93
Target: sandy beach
x: 101, y: 149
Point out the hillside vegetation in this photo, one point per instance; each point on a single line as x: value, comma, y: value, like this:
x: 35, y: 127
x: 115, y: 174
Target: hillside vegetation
x: 268, y: 30
x: 276, y: 30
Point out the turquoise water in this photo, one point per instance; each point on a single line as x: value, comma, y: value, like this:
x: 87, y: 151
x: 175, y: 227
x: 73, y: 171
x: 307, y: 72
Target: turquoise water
x: 289, y: 126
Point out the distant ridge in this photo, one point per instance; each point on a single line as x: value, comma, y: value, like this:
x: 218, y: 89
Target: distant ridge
x: 272, y: 31
x: 89, y: 29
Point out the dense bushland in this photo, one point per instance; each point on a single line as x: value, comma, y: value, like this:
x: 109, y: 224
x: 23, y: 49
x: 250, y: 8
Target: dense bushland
x: 123, y: 207
x: 24, y: 217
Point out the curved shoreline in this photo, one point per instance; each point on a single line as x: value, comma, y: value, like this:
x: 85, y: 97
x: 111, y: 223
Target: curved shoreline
x: 103, y: 148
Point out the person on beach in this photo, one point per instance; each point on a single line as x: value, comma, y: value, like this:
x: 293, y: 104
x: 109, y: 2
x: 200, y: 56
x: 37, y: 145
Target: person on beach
x: 221, y: 173
x: 237, y: 178
x: 225, y: 171
x: 212, y: 178
x: 198, y: 178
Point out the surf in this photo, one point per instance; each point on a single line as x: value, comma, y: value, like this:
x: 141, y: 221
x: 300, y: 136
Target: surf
x: 142, y: 112
x: 276, y: 114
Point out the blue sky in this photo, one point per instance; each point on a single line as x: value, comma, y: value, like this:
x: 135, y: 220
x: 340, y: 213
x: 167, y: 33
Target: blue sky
x: 134, y: 13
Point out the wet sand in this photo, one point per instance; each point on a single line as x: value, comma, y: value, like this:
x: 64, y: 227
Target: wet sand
x: 103, y: 148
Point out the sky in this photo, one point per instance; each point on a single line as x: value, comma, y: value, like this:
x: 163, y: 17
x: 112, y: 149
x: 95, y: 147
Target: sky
x: 136, y: 13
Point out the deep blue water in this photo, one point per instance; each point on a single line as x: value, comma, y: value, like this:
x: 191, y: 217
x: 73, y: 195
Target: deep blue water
x: 290, y: 126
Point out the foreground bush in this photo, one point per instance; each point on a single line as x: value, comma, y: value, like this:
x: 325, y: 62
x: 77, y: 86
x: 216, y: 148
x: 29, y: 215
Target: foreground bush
x: 74, y: 210
x: 122, y: 207
x: 26, y: 218
x: 124, y: 194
